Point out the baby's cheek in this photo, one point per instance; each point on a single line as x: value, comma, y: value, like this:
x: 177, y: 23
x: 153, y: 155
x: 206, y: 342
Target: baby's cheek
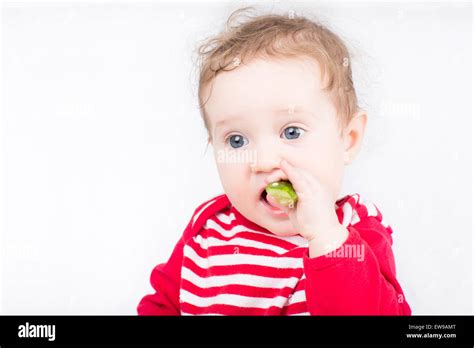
x: 233, y: 182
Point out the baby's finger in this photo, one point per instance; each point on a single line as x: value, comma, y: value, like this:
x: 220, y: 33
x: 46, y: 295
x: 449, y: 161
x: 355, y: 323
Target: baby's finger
x: 311, y: 179
x: 294, y: 176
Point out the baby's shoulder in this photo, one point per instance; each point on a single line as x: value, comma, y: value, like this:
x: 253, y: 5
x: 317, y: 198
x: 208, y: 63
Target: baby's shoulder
x: 353, y: 209
x: 205, y: 211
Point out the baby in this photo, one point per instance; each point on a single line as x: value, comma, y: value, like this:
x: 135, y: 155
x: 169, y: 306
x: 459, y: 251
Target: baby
x: 278, y: 103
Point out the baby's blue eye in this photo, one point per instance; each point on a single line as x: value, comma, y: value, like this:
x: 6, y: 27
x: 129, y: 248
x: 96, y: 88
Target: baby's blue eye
x: 237, y: 141
x: 293, y: 132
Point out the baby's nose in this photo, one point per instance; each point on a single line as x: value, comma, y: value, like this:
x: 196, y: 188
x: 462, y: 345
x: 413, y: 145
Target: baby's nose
x: 265, y: 161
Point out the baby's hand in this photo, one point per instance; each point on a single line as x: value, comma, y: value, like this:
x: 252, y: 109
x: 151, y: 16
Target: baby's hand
x: 314, y: 213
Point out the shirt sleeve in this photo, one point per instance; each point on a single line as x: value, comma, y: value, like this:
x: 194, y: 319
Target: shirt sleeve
x: 358, y: 278
x: 165, y: 280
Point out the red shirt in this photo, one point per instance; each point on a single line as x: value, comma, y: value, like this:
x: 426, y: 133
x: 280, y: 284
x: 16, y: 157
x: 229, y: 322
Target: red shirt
x: 224, y: 264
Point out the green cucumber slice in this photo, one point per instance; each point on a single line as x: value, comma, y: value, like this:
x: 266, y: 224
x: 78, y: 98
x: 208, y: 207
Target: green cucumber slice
x: 283, y: 193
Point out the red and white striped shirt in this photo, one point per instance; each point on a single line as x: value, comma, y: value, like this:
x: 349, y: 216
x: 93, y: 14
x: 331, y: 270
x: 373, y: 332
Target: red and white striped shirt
x: 224, y: 264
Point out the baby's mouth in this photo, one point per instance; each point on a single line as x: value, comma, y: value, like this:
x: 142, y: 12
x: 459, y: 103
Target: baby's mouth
x: 274, y: 208
x: 263, y: 196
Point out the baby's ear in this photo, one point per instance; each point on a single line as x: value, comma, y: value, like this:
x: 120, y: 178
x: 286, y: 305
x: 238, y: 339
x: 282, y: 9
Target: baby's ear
x: 208, y: 142
x: 353, y: 135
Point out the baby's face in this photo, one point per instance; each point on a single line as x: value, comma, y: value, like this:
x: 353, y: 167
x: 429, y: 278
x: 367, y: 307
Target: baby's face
x: 265, y: 111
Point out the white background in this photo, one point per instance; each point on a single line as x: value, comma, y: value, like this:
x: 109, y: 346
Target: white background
x: 104, y: 156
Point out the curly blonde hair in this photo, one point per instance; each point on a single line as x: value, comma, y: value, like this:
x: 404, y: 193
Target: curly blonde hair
x: 278, y: 36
